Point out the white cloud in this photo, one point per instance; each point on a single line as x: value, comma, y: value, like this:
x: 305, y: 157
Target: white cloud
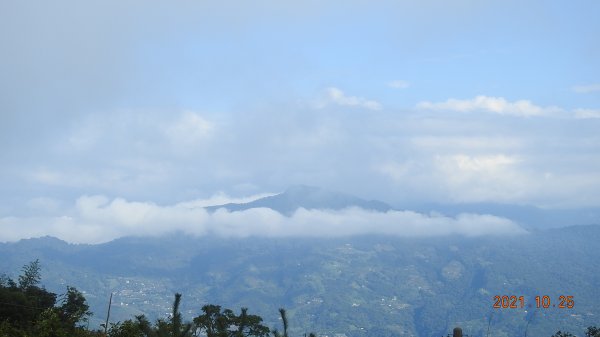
x: 587, y: 88
x: 499, y: 105
x: 95, y: 219
x: 497, y: 178
x: 426, y: 156
x: 399, y: 84
x: 337, y: 96
x: 190, y: 128
x: 586, y: 113
x: 463, y: 177
x: 481, y: 178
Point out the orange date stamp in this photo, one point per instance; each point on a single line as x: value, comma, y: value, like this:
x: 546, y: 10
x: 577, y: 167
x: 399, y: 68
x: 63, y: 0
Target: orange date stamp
x: 539, y: 302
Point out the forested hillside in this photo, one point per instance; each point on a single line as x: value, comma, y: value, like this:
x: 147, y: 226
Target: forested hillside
x: 358, y: 286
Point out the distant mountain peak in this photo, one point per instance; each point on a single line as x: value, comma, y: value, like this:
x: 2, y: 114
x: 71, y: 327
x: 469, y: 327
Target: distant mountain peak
x: 308, y: 197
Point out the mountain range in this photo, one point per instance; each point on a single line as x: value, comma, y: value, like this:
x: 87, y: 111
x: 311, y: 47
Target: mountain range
x: 307, y: 197
x: 311, y: 197
x: 367, y: 285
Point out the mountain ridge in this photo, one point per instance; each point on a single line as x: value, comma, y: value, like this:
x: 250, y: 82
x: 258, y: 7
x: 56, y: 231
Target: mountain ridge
x: 307, y: 197
x: 310, y: 197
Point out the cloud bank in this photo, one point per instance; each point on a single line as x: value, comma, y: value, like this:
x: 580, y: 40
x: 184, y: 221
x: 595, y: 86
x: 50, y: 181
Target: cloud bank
x: 96, y: 219
x: 499, y: 105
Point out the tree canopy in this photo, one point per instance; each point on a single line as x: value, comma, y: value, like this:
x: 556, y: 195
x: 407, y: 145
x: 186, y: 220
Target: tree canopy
x: 30, y: 310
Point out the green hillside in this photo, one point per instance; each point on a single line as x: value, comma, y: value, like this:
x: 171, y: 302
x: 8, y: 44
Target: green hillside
x: 358, y: 286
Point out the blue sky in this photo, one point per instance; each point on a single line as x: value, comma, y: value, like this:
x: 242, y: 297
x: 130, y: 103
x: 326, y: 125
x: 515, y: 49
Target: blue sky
x: 410, y: 102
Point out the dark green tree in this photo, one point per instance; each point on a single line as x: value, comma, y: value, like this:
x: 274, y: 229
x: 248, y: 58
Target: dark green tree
x: 7, y: 329
x: 249, y: 325
x: 284, y: 320
x: 74, y: 308
x: 29, y: 310
x: 592, y: 331
x: 50, y: 324
x: 145, y: 326
x: 7, y: 282
x: 178, y: 329
x: 30, y: 276
x: 23, y: 303
x: 215, y: 322
x: 160, y: 329
x: 563, y: 334
x: 174, y: 327
x: 128, y: 328
x: 285, y: 324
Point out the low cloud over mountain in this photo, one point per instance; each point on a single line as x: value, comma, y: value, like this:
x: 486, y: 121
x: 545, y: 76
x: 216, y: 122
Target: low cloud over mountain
x: 300, y: 211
